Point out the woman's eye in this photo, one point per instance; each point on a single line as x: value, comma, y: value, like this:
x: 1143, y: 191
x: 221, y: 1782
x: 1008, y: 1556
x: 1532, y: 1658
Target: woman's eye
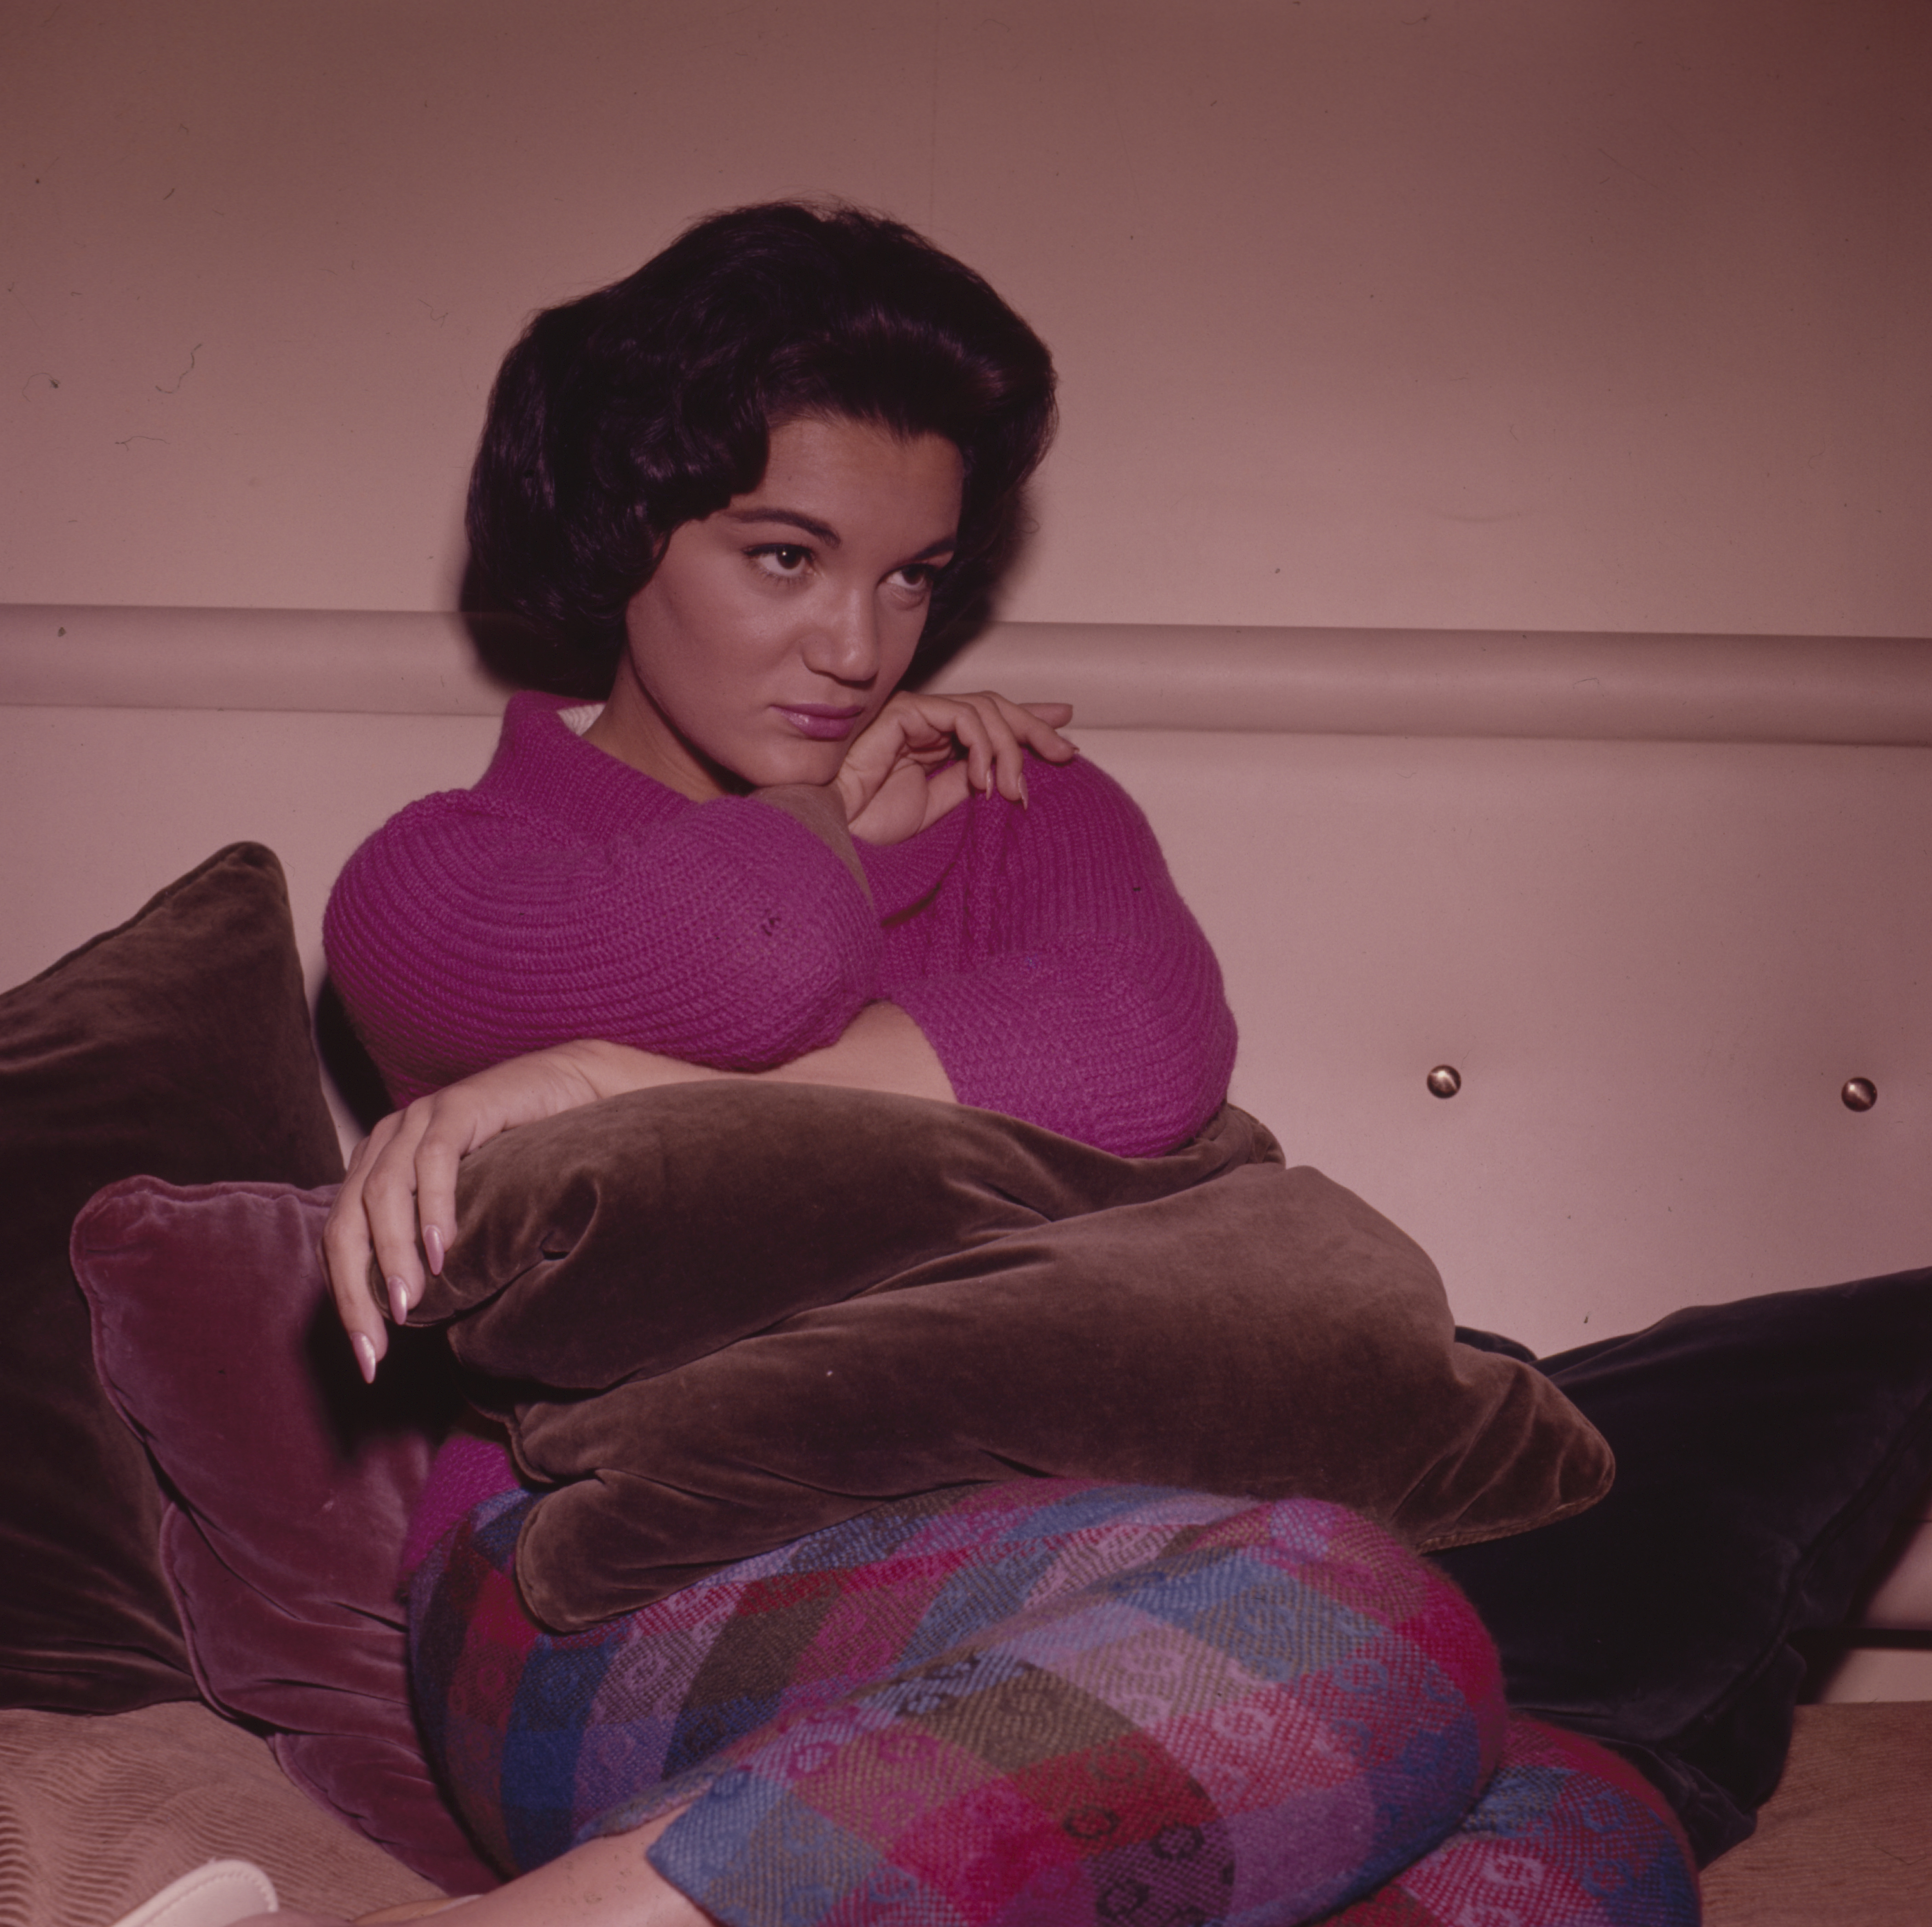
x: 920, y: 575
x: 782, y: 559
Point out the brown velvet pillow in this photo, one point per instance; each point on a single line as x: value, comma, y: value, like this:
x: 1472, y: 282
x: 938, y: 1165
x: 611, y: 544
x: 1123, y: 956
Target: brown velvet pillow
x: 723, y: 1315
x: 178, y: 1044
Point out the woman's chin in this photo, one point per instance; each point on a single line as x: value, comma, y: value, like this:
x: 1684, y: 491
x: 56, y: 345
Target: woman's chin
x: 770, y: 765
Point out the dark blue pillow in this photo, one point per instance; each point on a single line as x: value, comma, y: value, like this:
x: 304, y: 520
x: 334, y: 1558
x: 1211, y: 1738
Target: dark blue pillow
x: 1764, y: 1450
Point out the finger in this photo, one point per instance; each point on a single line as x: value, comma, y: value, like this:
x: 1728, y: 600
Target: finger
x: 437, y: 1157
x: 990, y: 731
x: 1004, y: 730
x: 1035, y: 727
x: 869, y: 764
x: 945, y: 790
x: 345, y: 1249
x: 1038, y: 725
x: 1047, y: 741
x: 440, y: 1131
x: 344, y: 1252
x: 1006, y: 752
x: 389, y: 1206
x: 994, y: 754
x: 909, y: 730
x: 969, y: 721
x: 925, y: 725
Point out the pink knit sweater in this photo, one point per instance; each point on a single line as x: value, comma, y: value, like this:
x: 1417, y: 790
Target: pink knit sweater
x: 1045, y: 954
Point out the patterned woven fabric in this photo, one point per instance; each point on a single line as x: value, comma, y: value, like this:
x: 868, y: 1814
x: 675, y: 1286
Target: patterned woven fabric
x: 1567, y: 1835
x: 1029, y: 1701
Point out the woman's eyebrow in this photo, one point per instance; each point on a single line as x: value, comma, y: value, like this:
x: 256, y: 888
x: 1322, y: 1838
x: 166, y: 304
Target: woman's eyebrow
x: 827, y: 534
x: 944, y: 545
x: 824, y: 531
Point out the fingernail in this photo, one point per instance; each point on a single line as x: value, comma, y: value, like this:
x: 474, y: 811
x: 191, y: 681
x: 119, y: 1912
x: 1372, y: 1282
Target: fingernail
x: 432, y: 1249
x: 1023, y: 803
x: 365, y: 1356
x: 399, y: 1301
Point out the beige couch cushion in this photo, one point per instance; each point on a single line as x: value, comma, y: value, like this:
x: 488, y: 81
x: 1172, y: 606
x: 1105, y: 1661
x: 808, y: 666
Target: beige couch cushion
x: 97, y: 1813
x: 1848, y: 1837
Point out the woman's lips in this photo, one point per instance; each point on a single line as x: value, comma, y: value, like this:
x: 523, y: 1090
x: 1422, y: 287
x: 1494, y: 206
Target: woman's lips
x: 820, y: 720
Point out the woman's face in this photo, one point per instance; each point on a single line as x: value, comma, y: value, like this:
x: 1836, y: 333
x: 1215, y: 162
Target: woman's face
x: 773, y: 632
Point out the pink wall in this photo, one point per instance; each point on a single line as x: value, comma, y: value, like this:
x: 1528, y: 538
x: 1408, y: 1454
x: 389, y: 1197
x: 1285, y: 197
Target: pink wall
x: 1606, y: 314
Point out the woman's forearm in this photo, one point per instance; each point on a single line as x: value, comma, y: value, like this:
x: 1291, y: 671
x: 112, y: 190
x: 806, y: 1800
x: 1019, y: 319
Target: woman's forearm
x: 460, y: 935
x: 882, y: 1049
x: 401, y: 1184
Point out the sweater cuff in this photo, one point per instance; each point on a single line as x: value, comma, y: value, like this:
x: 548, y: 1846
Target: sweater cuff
x: 816, y: 807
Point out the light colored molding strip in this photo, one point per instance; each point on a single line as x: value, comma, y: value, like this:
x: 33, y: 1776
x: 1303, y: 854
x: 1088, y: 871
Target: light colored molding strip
x: 1470, y: 682
x: 357, y: 661
x: 1461, y: 683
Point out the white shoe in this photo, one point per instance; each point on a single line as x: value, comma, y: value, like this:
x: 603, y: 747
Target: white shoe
x: 216, y: 1895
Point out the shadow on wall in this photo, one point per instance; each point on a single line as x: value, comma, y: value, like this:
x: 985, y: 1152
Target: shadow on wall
x: 345, y: 1062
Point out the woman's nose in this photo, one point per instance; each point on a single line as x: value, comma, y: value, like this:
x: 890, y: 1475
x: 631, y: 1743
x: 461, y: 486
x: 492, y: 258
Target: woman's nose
x: 844, y: 645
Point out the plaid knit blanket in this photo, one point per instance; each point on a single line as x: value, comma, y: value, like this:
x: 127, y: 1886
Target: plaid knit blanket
x: 1034, y: 1702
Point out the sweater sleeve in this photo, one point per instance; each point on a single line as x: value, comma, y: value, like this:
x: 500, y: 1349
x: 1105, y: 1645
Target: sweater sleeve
x: 1084, y: 997
x: 468, y: 930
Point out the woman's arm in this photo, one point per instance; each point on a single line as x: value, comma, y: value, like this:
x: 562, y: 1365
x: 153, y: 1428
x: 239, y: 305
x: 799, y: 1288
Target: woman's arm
x: 1072, y: 986
x: 398, y: 1201
x: 569, y: 896
x: 467, y: 932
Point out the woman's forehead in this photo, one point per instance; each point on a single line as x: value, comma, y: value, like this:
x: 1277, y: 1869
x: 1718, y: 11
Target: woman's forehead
x: 846, y: 475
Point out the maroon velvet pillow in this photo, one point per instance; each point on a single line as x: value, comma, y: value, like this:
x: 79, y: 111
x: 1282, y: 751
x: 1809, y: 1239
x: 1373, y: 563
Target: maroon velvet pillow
x: 177, y: 1043
x: 289, y: 1485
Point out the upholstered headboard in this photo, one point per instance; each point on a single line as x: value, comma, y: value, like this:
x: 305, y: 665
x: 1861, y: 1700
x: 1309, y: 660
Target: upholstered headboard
x: 1656, y: 901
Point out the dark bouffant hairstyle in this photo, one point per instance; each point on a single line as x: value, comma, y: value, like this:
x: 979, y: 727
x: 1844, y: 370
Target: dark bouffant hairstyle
x: 619, y: 416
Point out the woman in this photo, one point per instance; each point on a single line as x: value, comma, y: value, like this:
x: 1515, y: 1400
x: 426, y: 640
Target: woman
x: 749, y: 479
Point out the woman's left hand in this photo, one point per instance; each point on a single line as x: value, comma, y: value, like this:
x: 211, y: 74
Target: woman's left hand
x: 398, y: 1202
x: 974, y: 743
x: 398, y: 1205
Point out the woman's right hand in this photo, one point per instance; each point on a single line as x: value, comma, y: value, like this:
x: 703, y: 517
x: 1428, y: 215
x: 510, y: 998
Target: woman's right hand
x: 398, y: 1202
x: 922, y: 754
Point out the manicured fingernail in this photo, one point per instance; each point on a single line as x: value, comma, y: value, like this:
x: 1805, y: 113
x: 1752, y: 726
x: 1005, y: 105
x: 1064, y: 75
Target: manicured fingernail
x: 1023, y: 803
x: 399, y: 1301
x: 365, y: 1356
x: 432, y: 1249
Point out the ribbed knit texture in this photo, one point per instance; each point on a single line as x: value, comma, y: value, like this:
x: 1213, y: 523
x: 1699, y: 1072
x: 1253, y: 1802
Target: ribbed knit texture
x: 1045, y: 954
